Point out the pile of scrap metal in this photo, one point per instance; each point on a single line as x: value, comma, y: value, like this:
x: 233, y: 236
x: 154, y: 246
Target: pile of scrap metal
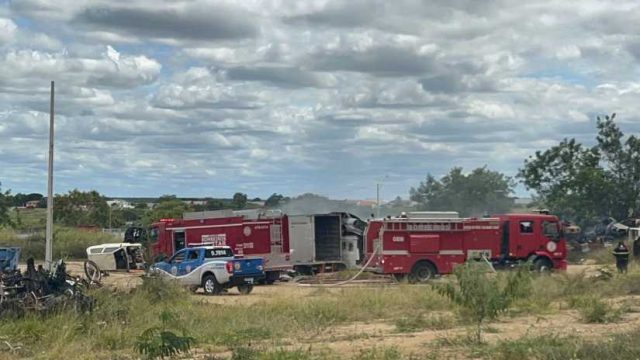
x: 37, y: 289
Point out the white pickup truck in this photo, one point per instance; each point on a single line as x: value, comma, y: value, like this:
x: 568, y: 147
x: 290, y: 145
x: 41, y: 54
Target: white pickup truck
x: 214, y: 268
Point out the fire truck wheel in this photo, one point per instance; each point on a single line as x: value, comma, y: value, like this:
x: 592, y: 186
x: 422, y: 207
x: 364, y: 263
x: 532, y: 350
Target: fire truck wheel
x: 210, y: 285
x: 422, y: 272
x: 542, y: 265
x: 245, y: 289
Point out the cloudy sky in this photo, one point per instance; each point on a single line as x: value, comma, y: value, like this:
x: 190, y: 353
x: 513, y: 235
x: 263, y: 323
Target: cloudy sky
x: 206, y: 98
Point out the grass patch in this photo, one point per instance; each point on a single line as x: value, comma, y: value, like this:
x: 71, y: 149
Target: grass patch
x: 552, y: 347
x: 422, y: 322
x: 120, y: 317
x: 68, y: 243
x: 595, y: 311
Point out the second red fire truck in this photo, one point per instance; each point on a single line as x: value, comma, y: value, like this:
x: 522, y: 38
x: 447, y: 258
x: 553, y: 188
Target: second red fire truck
x: 421, y: 245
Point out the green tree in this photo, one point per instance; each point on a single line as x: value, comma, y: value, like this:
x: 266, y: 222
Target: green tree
x: 214, y: 204
x: 5, y: 203
x: 81, y: 208
x: 239, y: 201
x: 475, y: 193
x: 141, y: 206
x: 584, y: 184
x: 166, y: 209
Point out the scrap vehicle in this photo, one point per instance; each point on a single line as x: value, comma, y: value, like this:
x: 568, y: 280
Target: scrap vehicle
x: 213, y: 268
x: 37, y: 289
x: 117, y: 256
x: 9, y: 258
x: 419, y: 246
x: 306, y: 243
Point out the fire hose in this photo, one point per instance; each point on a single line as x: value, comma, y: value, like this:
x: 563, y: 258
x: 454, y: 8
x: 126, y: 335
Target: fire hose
x: 362, y: 269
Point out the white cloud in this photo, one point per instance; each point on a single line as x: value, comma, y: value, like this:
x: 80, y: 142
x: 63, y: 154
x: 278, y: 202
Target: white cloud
x: 7, y: 30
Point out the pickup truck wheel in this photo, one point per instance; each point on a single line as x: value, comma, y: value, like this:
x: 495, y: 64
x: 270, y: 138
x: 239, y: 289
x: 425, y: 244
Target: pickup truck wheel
x: 422, y: 272
x: 245, y: 289
x: 210, y: 285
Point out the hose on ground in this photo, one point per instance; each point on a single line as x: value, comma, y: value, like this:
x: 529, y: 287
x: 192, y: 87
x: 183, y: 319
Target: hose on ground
x: 375, y: 252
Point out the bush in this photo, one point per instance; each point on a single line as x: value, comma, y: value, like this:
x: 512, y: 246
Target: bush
x: 484, y: 296
x: 594, y: 310
x: 160, y: 342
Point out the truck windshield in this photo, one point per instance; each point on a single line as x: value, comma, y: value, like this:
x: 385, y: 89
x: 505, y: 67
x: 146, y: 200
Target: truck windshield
x: 550, y: 230
x: 217, y: 253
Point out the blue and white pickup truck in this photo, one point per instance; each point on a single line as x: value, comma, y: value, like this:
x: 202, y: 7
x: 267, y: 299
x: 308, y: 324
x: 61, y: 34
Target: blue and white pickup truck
x: 214, y: 268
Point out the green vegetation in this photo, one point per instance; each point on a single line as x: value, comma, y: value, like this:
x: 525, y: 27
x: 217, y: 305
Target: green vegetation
x: 5, y: 219
x: 483, y: 296
x: 584, y: 183
x: 160, y: 342
x: 552, y: 347
x: 594, y: 310
x: 112, y: 329
x: 68, y: 243
x: 425, y: 322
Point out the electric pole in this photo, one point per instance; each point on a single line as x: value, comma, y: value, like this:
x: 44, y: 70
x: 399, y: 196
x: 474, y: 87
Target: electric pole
x: 49, y: 234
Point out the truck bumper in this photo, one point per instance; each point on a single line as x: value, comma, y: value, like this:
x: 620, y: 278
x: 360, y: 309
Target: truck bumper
x: 245, y: 279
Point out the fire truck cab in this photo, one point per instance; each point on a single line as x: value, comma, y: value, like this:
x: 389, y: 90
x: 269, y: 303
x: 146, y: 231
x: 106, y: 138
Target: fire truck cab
x: 422, y: 246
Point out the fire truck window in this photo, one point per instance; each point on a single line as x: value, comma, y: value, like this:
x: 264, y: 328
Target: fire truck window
x: 178, y: 257
x: 526, y: 227
x: 550, y: 229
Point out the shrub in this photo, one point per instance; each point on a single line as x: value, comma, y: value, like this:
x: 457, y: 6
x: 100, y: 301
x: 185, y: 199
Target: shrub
x: 160, y: 342
x: 594, y: 310
x: 483, y: 296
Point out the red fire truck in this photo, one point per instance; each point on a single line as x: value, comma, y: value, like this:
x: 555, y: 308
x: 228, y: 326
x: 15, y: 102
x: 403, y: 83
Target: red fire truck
x: 263, y: 234
x: 421, y: 245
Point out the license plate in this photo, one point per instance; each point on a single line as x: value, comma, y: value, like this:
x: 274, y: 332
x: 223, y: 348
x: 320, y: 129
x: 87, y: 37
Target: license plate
x: 248, y: 280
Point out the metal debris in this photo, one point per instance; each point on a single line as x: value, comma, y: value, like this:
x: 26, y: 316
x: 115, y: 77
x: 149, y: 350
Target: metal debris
x: 39, y: 290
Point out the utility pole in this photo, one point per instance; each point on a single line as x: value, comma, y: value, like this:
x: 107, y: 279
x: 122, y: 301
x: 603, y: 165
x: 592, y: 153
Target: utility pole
x: 378, y: 200
x: 49, y: 235
x: 378, y: 185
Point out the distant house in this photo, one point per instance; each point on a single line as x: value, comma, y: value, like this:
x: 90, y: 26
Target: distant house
x: 32, y: 204
x: 195, y: 202
x: 369, y: 203
x: 120, y: 204
x: 523, y: 201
